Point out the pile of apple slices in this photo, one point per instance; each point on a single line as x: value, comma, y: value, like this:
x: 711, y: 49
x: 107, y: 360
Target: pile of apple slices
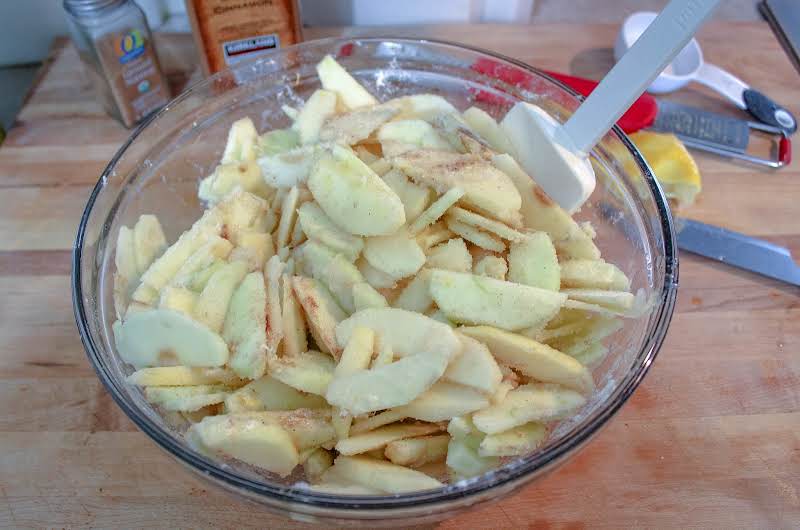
x: 378, y: 294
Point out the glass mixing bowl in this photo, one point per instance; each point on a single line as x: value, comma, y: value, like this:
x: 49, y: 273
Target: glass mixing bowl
x: 157, y: 171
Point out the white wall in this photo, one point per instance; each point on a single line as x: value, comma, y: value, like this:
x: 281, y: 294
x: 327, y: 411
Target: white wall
x: 27, y: 28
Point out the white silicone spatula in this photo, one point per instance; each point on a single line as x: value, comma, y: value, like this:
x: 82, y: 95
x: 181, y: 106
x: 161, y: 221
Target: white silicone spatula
x: 556, y: 155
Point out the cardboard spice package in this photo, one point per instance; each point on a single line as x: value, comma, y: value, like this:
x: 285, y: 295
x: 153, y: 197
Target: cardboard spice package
x: 230, y: 31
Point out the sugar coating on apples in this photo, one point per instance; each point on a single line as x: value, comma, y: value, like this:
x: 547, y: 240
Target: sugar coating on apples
x: 377, y: 294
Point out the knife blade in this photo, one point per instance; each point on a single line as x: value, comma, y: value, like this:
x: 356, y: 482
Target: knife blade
x: 738, y: 250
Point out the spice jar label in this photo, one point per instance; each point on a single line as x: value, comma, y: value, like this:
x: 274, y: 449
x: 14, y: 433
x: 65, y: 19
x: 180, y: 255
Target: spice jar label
x: 136, y: 79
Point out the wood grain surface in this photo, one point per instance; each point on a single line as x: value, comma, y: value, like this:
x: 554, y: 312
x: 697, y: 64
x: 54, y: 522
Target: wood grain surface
x: 710, y: 439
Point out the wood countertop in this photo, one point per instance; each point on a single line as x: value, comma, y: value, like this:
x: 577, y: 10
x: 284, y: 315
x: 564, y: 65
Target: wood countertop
x: 710, y: 439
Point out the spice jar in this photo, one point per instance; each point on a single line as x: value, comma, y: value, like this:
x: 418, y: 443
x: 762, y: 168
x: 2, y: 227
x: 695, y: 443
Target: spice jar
x: 116, y: 47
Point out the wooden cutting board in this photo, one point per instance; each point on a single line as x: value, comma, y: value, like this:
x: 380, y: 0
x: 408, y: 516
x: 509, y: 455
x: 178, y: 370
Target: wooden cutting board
x: 710, y: 439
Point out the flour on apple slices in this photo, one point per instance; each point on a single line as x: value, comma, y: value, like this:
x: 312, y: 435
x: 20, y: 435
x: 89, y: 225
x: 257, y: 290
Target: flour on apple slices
x: 376, y: 292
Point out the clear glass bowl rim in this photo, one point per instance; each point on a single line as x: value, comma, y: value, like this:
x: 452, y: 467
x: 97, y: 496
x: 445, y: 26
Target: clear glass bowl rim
x: 513, y: 474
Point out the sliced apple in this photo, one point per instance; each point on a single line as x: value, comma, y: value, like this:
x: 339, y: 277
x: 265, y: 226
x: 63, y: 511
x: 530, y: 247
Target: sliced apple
x: 533, y: 262
x: 335, y: 78
x: 408, y: 333
x: 352, y: 127
x: 514, y: 442
x: 295, y: 340
x: 319, y: 227
x: 433, y: 235
x: 354, y: 196
x: 591, y: 354
x: 383, y: 476
x: 540, y: 212
x: 376, y: 278
x: 471, y: 299
x: 253, y: 249
x: 227, y: 177
x: 320, y: 106
x: 366, y: 297
x: 451, y: 255
x: 487, y: 189
x: 210, y: 253
x: 162, y: 337
x: 263, y: 444
x: 185, y: 398
x: 532, y: 402
x: 416, y: 295
x: 416, y: 452
x: 369, y: 423
x: 357, y: 352
x: 421, y: 106
x: 593, y: 331
x: 340, y: 277
x: 244, y: 328
x: 178, y: 299
x: 484, y: 223
x: 593, y: 274
x: 492, y: 267
x: 287, y: 218
x: 532, y: 358
x: 399, y: 136
x: 149, y: 241
x: 242, y: 142
x: 477, y: 237
x: 161, y: 271
x: 384, y: 353
x: 444, y: 401
x: 475, y: 367
x: 316, y: 463
x: 184, y: 376
x: 463, y: 459
x: 277, y: 141
x: 435, y: 210
x: 617, y: 301
x: 308, y: 372
x: 322, y: 313
x: 273, y: 271
x: 378, y: 438
x: 267, y: 393
x: 415, y: 198
x: 290, y: 168
x: 212, y: 304
x: 386, y: 386
x: 488, y: 129
x: 398, y: 255
x: 126, y: 274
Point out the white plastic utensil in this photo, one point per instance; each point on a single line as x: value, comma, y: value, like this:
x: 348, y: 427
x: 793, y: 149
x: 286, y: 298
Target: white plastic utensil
x: 556, y: 155
x: 689, y: 65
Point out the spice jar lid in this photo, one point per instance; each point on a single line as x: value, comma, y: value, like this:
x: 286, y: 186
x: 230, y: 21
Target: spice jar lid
x: 86, y: 7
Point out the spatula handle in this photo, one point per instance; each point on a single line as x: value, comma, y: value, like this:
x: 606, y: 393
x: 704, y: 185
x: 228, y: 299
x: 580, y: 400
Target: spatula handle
x: 629, y: 78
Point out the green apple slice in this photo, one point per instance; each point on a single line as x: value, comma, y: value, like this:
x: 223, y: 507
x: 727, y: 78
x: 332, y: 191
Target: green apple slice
x: 185, y: 398
x: 213, y: 302
x: 475, y: 367
x: 309, y: 372
x: 451, y: 255
x: 471, y: 299
x: 444, y: 401
x: 532, y: 402
x: 533, y: 262
x: 532, y: 358
x: 335, y: 78
x: 354, y: 196
x: 383, y: 476
x: 159, y: 336
x: 245, y: 327
x: 267, y: 393
x: 362, y: 443
x: 259, y: 443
